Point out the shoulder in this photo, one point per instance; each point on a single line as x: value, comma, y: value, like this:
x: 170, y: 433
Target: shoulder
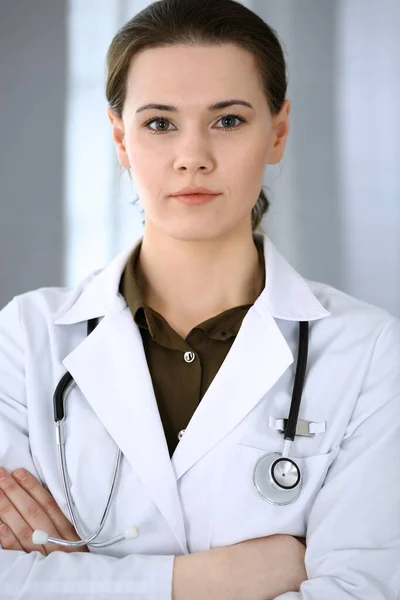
x: 354, y: 319
x: 45, y: 302
x: 343, y: 305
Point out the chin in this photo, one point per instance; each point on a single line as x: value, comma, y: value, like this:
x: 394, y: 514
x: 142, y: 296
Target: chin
x: 199, y: 228
x: 192, y: 230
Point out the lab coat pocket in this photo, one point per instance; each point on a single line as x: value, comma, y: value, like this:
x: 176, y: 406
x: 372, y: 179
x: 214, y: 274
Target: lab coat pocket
x: 242, y: 514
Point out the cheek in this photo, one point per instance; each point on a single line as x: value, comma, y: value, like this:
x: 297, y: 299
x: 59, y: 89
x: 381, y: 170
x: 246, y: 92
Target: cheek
x: 148, y: 169
x: 254, y: 156
x: 244, y: 170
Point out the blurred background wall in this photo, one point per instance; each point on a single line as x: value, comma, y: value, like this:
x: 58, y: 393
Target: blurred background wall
x: 335, y: 215
x: 33, y: 98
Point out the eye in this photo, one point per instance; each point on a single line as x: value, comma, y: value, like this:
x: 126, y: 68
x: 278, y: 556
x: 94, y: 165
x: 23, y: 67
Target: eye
x: 230, y: 118
x: 162, y: 119
x: 155, y: 120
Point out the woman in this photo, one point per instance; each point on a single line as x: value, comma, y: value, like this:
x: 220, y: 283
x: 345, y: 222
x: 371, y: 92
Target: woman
x: 190, y: 360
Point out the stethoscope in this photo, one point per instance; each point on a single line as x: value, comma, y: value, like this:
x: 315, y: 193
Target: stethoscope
x: 41, y: 537
x: 276, y: 477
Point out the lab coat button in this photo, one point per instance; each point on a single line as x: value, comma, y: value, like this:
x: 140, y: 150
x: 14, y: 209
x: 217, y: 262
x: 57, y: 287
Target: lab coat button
x: 180, y: 434
x: 189, y: 357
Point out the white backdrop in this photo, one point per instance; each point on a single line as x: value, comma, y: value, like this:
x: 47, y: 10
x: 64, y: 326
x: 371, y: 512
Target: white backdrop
x: 335, y: 211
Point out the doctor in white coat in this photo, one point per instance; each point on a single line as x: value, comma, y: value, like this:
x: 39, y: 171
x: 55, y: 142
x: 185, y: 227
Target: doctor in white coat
x: 197, y: 261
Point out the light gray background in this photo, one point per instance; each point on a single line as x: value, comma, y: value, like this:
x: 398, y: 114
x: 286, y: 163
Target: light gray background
x: 335, y: 197
x: 33, y: 82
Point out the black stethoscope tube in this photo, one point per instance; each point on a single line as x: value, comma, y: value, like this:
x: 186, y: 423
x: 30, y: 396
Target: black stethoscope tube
x: 66, y: 379
x: 291, y: 424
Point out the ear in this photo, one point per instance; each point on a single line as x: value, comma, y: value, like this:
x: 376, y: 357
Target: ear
x: 118, y: 134
x: 280, y: 132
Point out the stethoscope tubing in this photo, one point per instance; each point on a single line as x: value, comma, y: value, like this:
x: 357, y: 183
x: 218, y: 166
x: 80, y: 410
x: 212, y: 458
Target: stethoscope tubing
x: 86, y: 540
x: 290, y: 429
x: 59, y: 417
x: 272, y: 472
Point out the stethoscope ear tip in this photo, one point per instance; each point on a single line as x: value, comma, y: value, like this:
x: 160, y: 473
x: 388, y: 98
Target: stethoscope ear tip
x: 40, y: 537
x: 132, y: 532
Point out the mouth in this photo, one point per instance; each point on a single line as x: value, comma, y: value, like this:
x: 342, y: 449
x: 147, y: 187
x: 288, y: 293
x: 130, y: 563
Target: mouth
x: 195, y: 199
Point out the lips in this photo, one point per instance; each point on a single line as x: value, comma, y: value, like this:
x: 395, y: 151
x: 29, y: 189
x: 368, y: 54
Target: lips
x: 195, y: 199
x: 187, y: 191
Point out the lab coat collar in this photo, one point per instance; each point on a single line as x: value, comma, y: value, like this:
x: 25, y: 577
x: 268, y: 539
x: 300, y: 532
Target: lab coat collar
x: 97, y: 294
x: 287, y: 295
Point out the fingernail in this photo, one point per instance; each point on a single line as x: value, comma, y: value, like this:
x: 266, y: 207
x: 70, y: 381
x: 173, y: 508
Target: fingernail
x: 20, y: 474
x: 3, y: 473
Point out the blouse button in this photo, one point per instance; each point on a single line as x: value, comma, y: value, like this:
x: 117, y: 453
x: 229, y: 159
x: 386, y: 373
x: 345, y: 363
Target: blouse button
x: 189, y: 357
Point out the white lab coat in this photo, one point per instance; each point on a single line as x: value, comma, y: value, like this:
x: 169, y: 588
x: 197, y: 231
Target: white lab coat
x: 349, y: 507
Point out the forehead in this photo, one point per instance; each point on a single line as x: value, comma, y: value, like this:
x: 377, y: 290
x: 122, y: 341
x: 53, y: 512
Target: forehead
x: 185, y: 74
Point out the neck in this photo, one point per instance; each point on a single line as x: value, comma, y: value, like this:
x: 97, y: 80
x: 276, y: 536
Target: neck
x: 189, y: 282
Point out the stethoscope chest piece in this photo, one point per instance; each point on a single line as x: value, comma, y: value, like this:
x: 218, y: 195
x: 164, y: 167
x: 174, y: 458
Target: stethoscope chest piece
x: 277, y: 479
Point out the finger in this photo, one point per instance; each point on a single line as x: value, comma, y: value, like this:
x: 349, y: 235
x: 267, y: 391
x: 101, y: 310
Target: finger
x: 23, y: 514
x: 45, y: 500
x: 20, y: 529
x: 8, y: 540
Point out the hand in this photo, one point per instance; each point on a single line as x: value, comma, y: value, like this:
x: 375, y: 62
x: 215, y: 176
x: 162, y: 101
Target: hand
x: 263, y: 568
x: 25, y: 505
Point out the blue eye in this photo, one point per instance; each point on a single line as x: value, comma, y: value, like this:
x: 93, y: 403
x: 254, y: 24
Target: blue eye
x: 160, y: 118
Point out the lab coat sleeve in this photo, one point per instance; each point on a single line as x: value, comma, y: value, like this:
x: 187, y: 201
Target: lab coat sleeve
x: 353, y: 534
x: 59, y: 575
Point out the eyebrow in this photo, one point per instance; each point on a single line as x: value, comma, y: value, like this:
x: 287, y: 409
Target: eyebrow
x: 211, y: 108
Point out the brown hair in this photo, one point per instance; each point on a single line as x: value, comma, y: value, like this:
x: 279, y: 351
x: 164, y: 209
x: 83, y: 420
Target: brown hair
x: 194, y: 23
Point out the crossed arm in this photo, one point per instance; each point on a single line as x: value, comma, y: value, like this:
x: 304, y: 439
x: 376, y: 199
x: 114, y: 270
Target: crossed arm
x: 239, y: 571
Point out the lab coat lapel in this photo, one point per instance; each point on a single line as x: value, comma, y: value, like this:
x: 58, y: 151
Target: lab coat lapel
x: 258, y: 357
x: 255, y: 361
x: 111, y: 371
